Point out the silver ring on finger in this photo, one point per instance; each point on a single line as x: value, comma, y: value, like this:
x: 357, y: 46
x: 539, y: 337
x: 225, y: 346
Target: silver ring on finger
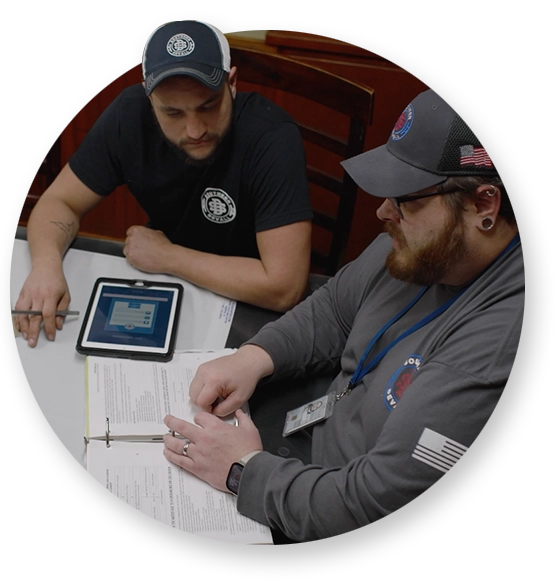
x: 185, y: 447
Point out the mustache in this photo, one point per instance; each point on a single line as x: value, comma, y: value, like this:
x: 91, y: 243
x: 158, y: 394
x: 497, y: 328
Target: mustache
x: 207, y: 138
x: 394, y: 231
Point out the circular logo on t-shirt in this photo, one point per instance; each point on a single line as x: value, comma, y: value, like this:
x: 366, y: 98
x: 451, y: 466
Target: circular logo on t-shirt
x: 217, y: 206
x: 180, y: 45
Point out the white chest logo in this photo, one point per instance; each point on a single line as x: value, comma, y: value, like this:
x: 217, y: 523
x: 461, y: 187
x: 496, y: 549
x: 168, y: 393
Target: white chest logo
x: 217, y: 206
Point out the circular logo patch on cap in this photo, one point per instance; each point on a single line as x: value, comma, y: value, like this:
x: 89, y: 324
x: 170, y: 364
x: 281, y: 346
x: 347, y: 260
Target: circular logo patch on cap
x: 217, y: 206
x: 180, y: 45
x: 403, y: 124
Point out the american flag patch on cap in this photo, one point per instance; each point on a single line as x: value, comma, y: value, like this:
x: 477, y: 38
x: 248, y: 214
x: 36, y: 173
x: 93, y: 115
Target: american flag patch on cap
x: 477, y: 156
x: 438, y: 451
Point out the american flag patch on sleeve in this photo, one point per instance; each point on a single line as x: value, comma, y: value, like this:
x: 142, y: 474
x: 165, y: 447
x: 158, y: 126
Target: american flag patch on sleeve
x: 476, y: 156
x: 437, y: 451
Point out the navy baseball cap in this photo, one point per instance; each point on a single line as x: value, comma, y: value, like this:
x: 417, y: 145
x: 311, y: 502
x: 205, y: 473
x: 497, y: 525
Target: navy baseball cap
x: 186, y: 47
x: 429, y: 143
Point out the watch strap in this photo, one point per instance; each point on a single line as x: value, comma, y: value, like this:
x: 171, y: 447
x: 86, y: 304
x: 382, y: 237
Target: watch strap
x: 248, y: 457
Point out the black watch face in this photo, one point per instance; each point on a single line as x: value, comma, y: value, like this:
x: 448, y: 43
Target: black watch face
x: 234, y: 477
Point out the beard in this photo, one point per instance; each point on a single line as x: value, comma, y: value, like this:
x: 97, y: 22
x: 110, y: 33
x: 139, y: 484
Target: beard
x: 221, y: 142
x: 429, y: 263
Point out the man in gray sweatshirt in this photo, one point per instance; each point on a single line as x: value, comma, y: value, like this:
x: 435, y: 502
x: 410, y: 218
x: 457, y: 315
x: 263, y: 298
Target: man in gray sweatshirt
x: 421, y: 330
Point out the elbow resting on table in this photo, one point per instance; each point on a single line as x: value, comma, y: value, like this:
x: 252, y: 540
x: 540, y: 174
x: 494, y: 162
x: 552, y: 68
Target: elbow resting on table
x: 283, y: 298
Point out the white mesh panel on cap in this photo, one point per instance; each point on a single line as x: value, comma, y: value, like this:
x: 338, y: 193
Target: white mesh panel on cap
x: 224, y: 46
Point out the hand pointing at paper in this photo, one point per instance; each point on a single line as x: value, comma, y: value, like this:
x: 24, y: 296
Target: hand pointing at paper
x: 220, y: 387
x: 223, y: 385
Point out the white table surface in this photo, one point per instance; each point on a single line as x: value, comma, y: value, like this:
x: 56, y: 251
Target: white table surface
x: 56, y: 372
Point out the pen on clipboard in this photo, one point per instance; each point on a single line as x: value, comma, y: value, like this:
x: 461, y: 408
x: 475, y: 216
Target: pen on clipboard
x: 57, y: 314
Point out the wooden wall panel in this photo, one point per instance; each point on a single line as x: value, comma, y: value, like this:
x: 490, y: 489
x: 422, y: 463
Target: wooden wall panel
x: 393, y: 89
x: 119, y: 211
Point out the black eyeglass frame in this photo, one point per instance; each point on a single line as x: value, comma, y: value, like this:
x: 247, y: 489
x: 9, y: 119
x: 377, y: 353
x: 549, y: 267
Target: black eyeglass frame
x: 412, y: 198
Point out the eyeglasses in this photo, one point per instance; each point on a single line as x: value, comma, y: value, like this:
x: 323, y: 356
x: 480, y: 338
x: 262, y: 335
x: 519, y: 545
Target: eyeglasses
x: 411, y: 198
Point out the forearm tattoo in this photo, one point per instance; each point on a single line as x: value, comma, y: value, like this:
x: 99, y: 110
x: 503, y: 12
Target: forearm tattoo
x: 67, y: 229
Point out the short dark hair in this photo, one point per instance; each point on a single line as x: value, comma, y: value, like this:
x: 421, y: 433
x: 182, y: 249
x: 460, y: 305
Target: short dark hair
x: 467, y: 186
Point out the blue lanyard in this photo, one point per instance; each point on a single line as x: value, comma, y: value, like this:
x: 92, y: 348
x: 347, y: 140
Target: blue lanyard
x: 363, y: 369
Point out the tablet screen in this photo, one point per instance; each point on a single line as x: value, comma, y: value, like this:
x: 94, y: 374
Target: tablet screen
x: 132, y: 317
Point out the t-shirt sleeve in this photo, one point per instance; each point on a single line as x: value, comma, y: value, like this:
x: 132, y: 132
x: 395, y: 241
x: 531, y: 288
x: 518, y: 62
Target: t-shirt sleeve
x: 277, y: 178
x: 97, y: 161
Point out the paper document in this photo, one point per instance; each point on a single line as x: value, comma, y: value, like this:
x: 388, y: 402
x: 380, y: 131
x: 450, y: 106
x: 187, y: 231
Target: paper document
x: 135, y: 396
x: 139, y: 474
x: 127, y: 401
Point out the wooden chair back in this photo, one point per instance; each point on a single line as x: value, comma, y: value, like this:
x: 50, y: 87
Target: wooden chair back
x: 320, y: 102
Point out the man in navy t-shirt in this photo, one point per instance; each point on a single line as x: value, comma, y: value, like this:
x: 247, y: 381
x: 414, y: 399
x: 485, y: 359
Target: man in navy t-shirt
x: 220, y: 174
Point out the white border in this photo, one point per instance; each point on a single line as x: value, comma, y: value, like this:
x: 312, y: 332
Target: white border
x: 285, y: 8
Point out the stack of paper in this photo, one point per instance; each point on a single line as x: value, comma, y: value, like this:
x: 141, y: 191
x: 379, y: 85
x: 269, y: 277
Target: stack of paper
x: 126, y: 404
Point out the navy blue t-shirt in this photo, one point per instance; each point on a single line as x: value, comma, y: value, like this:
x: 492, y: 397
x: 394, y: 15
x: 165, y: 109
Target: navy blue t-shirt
x: 258, y: 182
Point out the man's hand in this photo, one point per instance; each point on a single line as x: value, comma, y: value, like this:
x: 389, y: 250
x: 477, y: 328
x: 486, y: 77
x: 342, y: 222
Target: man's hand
x: 214, y: 445
x: 47, y: 291
x: 223, y: 385
x: 147, y: 249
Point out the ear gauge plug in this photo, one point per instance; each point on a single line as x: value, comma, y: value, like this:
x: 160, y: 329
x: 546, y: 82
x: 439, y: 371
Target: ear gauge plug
x: 487, y: 223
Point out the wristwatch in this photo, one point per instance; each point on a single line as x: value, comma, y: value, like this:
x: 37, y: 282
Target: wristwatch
x: 236, y: 470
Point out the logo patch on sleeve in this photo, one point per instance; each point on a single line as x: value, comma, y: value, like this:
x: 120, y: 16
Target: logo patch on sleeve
x: 400, y: 381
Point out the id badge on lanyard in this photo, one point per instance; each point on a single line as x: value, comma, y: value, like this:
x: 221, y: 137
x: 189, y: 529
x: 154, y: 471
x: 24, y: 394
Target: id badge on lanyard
x: 315, y: 411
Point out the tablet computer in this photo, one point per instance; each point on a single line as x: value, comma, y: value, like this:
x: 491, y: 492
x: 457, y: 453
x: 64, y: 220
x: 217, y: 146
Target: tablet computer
x: 136, y: 319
